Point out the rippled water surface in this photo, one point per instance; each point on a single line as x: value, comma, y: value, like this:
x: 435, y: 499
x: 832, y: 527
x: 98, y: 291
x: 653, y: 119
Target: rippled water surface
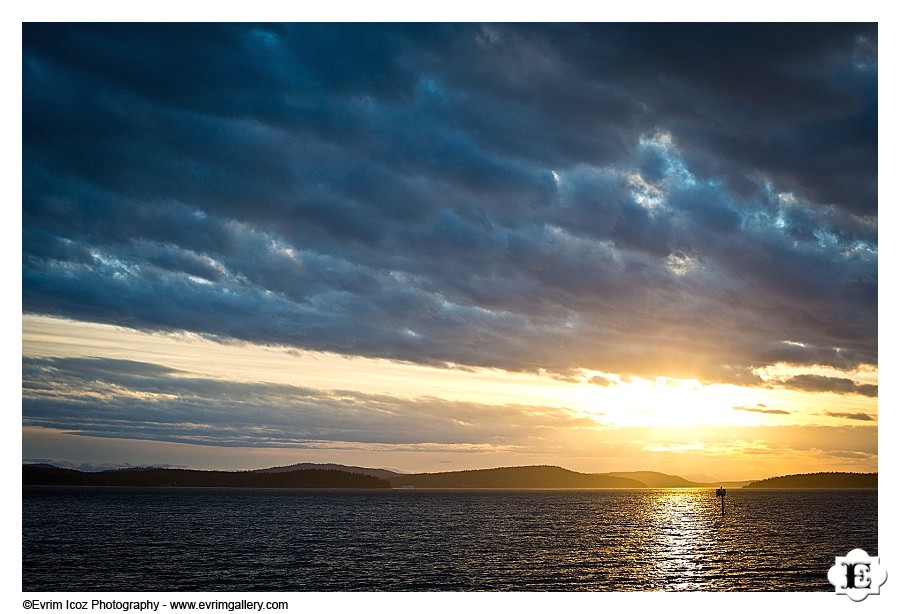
x: 116, y: 539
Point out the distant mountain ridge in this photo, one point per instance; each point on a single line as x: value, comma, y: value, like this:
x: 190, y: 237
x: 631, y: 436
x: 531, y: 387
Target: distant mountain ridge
x: 541, y: 476
x: 654, y: 479
x: 332, y: 475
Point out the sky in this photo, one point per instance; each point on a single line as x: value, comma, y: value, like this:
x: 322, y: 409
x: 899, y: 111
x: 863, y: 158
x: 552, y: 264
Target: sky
x: 436, y: 247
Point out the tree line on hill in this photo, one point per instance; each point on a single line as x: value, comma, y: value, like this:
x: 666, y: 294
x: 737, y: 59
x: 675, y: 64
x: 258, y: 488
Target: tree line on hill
x: 306, y: 475
x: 307, y: 478
x: 819, y: 480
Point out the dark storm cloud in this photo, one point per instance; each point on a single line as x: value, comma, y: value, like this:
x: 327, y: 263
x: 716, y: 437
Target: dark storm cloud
x: 822, y: 383
x: 693, y: 200
x: 135, y: 400
x: 851, y: 415
x: 760, y: 409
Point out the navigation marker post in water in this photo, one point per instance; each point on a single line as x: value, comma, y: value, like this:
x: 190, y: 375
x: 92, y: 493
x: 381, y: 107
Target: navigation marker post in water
x: 720, y: 492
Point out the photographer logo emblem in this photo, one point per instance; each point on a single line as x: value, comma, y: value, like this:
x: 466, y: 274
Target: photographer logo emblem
x: 857, y: 575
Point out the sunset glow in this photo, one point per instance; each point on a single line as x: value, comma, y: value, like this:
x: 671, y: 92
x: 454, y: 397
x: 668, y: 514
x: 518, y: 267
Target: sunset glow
x: 433, y: 248
x: 573, y: 417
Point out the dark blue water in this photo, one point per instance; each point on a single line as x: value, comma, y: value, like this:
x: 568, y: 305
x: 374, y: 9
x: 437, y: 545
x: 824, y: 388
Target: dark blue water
x: 119, y: 539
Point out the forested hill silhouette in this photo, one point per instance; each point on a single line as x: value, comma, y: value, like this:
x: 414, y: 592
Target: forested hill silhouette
x: 307, y: 478
x: 384, y: 474
x: 312, y: 475
x: 819, y: 480
x: 542, y: 476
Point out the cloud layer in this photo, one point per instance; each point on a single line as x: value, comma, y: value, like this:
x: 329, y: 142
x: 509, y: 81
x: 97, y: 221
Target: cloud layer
x: 137, y: 400
x: 130, y: 400
x: 681, y: 200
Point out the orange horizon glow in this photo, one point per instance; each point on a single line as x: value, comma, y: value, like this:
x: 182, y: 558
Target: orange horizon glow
x: 665, y: 424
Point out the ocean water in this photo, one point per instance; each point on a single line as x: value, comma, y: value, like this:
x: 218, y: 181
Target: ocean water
x: 168, y: 539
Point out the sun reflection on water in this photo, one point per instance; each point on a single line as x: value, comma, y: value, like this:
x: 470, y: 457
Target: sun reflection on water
x: 684, y: 549
x: 602, y: 540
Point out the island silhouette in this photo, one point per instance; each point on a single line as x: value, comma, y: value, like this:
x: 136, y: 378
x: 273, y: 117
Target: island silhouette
x: 819, y: 480
x: 312, y: 475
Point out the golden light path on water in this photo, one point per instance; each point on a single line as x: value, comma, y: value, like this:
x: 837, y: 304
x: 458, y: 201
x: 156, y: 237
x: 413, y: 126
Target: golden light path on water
x: 450, y: 540
x: 682, y: 525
